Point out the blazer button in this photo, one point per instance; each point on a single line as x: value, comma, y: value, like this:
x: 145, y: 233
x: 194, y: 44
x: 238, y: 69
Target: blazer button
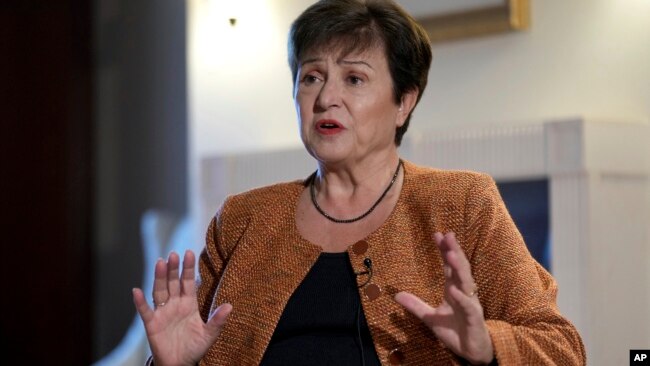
x: 395, y: 357
x: 360, y: 247
x: 372, y: 291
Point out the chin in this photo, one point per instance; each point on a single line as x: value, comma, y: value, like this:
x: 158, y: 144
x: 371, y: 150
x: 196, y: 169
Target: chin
x: 328, y: 157
x: 328, y: 153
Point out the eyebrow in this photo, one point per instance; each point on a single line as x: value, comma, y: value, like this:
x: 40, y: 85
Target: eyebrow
x: 339, y: 61
x: 310, y: 60
x: 350, y: 62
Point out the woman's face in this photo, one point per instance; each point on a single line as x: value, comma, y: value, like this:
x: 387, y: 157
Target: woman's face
x: 345, y: 105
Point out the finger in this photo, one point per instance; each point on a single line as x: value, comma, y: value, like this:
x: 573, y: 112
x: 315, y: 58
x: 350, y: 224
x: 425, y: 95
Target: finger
x: 187, y: 276
x: 415, y: 305
x: 439, y: 238
x: 455, y: 249
x: 160, y: 293
x: 218, y: 319
x: 173, y: 282
x: 146, y: 313
x: 444, y: 248
x: 460, y: 269
x: 461, y: 273
x: 466, y: 305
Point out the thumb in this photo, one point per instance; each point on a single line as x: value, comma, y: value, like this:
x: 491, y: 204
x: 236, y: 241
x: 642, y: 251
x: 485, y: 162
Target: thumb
x: 415, y: 305
x: 218, y: 319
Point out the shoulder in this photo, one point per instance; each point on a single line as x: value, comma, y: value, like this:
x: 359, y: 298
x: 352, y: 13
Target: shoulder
x: 266, y: 194
x: 452, y: 184
x: 261, y: 200
x: 263, y: 206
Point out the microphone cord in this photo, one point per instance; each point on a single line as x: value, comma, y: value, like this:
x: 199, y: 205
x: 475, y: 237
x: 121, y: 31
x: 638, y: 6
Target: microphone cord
x: 368, y: 263
x: 363, y: 359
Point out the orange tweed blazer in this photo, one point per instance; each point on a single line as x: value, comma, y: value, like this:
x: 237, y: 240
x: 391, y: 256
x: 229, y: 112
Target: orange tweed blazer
x: 255, y: 258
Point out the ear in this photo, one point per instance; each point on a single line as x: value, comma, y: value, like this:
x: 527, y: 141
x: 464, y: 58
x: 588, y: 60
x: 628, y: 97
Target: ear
x: 406, y: 105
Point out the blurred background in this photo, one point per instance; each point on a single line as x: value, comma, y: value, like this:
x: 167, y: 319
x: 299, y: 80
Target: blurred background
x: 110, y: 109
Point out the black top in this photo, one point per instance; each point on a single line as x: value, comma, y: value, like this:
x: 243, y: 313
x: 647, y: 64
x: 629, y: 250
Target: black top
x: 323, y: 322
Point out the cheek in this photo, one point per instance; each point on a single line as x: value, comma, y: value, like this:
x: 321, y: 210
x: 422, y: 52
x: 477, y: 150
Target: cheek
x: 382, y: 114
x: 301, y: 102
x: 300, y: 110
x: 303, y: 121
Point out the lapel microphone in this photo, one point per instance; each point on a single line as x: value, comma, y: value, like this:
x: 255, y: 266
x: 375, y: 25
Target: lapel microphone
x: 368, y: 263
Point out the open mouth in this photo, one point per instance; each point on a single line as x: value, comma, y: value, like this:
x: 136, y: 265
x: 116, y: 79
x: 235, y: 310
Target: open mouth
x: 328, y: 126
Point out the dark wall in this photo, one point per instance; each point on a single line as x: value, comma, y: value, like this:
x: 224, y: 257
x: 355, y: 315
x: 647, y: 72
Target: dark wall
x: 46, y: 109
x: 93, y: 113
x: 141, y: 149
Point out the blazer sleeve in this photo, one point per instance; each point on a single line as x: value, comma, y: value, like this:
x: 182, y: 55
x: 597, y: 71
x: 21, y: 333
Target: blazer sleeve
x: 517, y: 294
x: 212, y: 262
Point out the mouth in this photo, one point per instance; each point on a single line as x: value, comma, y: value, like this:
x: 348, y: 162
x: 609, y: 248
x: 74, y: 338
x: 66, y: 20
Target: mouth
x: 328, y: 126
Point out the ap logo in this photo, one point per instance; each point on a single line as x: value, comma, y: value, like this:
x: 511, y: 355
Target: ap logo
x: 639, y: 357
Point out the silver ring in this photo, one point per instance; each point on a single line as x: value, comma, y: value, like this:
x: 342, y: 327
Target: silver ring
x: 159, y: 305
x: 473, y: 292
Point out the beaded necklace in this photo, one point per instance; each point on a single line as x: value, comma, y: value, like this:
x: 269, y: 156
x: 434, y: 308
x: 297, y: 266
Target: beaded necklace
x: 312, y: 190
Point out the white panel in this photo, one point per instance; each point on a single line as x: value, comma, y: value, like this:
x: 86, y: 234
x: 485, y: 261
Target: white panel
x: 419, y: 8
x: 569, y: 248
x: 618, y: 250
x: 505, y: 152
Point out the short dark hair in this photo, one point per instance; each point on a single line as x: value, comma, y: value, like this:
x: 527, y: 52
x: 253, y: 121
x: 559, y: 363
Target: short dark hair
x: 357, y: 25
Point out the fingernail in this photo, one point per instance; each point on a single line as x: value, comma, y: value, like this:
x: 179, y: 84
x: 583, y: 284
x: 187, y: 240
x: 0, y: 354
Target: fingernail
x: 447, y: 271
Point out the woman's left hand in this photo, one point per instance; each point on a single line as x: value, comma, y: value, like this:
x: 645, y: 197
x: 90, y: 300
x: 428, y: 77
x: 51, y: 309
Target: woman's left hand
x: 458, y: 322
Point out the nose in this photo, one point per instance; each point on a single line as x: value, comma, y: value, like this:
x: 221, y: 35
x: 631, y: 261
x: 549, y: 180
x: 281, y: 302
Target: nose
x: 329, y: 94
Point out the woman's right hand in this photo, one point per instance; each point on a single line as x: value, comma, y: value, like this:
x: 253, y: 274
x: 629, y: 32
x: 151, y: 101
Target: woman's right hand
x: 177, y: 335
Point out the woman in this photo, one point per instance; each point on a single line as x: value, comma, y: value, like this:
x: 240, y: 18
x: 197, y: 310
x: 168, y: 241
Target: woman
x: 351, y: 266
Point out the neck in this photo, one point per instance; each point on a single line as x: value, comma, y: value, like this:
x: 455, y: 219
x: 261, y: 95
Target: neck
x: 347, y: 178
x: 353, y: 202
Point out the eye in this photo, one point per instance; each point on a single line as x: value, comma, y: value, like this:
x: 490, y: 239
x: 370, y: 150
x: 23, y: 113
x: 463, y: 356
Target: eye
x: 355, y: 80
x: 310, y: 79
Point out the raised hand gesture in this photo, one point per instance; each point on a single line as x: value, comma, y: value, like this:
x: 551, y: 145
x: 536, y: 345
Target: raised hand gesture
x: 458, y: 322
x: 176, y: 333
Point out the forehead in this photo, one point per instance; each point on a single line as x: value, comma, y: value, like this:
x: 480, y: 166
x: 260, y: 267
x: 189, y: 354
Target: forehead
x: 338, y: 52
